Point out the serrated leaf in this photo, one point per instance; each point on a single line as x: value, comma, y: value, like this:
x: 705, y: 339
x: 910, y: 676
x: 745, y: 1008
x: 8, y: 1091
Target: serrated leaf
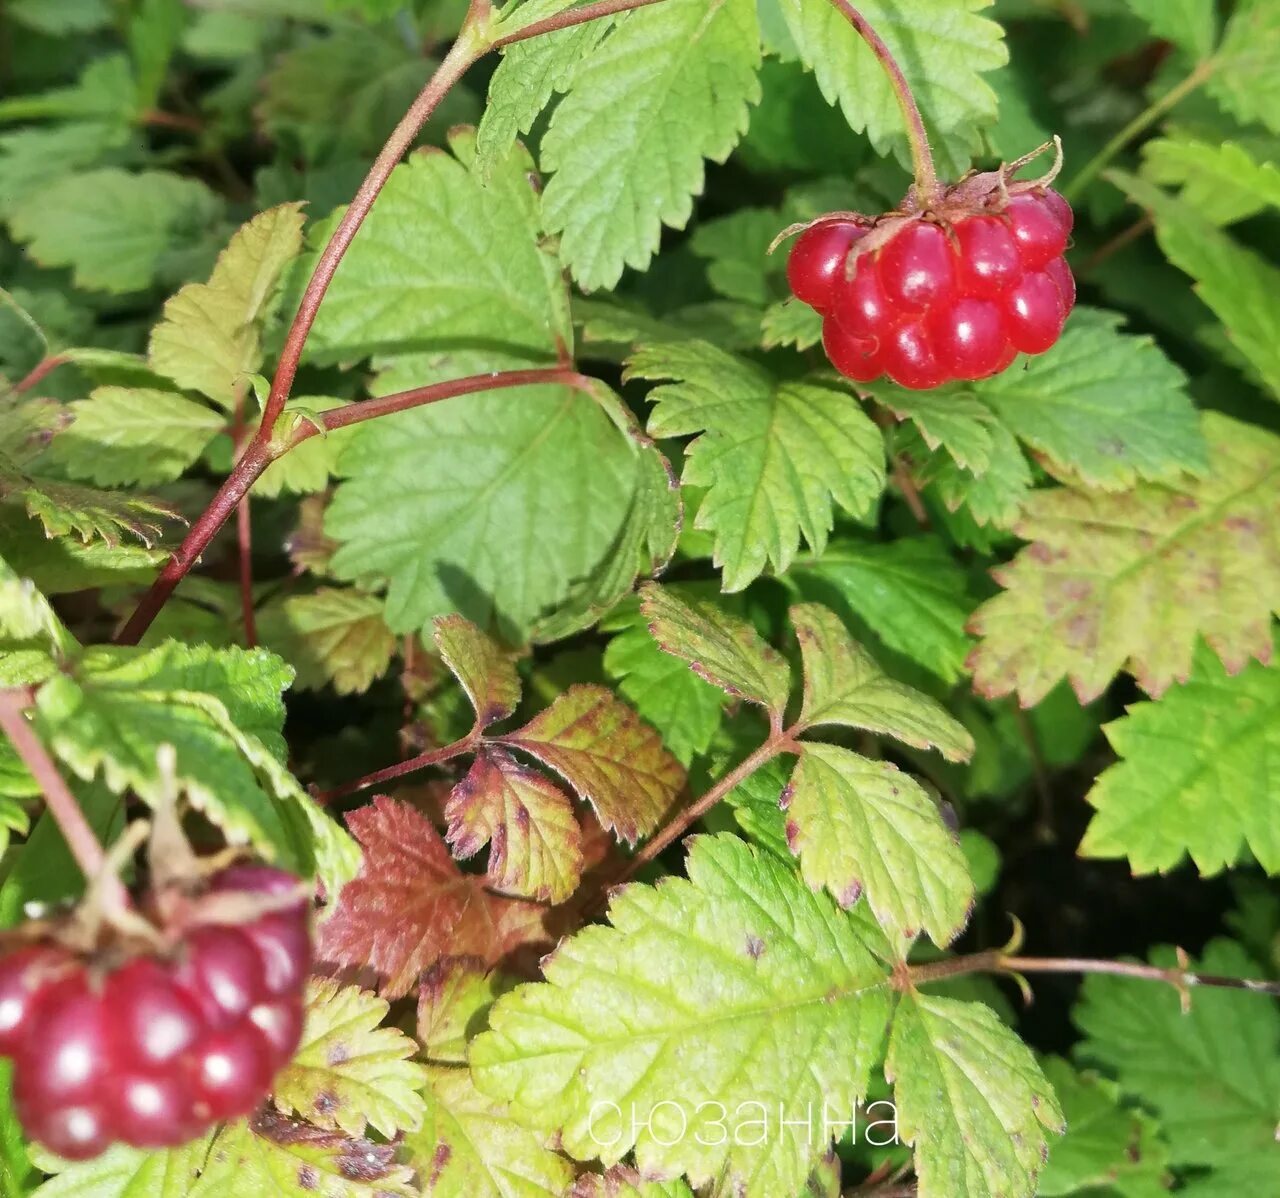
x: 1198, y: 774
x: 350, y: 1073
x: 735, y: 986
x: 123, y: 1172
x: 1245, y: 81
x: 123, y: 436
x: 862, y: 826
x: 683, y: 707
x: 756, y: 805
x: 487, y: 672
x: 725, y: 650
x: 971, y: 1100
x: 1191, y: 25
x: 911, y: 592
x: 471, y: 1147
x: 777, y: 456
x: 670, y: 85
x: 1107, y: 1145
x: 614, y: 760
x: 992, y: 496
x: 86, y: 513
x: 114, y: 229
x: 210, y: 336
x: 536, y: 843
x: 953, y: 417
x: 1220, y: 180
x: 944, y: 45
x: 1129, y: 580
x: 66, y: 564
x: 789, y: 322
x: 270, y: 1156
x: 844, y: 685
x: 410, y: 905
x: 1212, y: 1074
x: 332, y: 637
x: 1241, y: 287
x: 454, y: 998
x: 621, y: 1182
x: 222, y: 712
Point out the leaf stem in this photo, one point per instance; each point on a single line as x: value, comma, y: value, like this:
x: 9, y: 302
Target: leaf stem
x: 997, y: 961
x: 779, y: 742
x: 921, y: 152
x: 572, y: 16
x: 59, y: 800
x: 421, y: 762
x: 1139, y: 125
x: 244, y: 547
x: 39, y: 372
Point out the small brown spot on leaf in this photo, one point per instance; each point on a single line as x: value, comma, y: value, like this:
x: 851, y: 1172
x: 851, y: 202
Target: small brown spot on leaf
x: 439, y: 1159
x: 308, y: 1178
x: 326, y: 1102
x: 755, y: 947
x: 338, y: 1053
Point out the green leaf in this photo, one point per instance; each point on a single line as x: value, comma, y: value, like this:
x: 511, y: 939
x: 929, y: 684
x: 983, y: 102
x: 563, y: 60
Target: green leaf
x: 222, y: 712
x: 970, y: 1099
x: 123, y: 1172
x: 471, y: 1147
x: 66, y: 564
x: 993, y: 495
x: 735, y: 986
x: 1197, y: 774
x: 1246, y: 82
x: 274, y: 1157
x: 1220, y: 180
x: 724, y: 650
x: 789, y: 322
x: 1241, y: 287
x: 776, y: 456
x: 843, y: 685
x: 536, y: 843
x: 861, y: 826
x: 71, y: 510
x: 1191, y: 25
x: 210, y: 335
x: 614, y: 760
x: 124, y: 436
x: 683, y: 707
x: 485, y: 670
x: 1212, y: 1074
x: 669, y: 86
x: 114, y: 229
x: 332, y: 637
x: 911, y: 592
x: 944, y: 46
x: 68, y: 16
x: 454, y: 997
x: 952, y: 416
x: 626, y: 1183
x: 1107, y: 1146
x: 1129, y: 580
x: 306, y: 468
x: 349, y: 1073
x: 756, y: 804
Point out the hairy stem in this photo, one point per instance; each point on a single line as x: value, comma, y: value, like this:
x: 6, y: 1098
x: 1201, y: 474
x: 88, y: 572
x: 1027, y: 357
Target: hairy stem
x: 1139, y: 125
x: 997, y: 961
x: 921, y: 152
x: 421, y: 762
x: 779, y: 742
x: 59, y: 800
x: 573, y: 16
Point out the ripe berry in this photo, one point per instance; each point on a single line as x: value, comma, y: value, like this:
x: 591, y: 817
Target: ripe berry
x: 952, y: 290
x: 153, y: 1049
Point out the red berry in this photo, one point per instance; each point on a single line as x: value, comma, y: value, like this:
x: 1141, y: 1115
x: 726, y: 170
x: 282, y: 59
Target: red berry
x: 969, y: 336
x: 1060, y: 273
x: 817, y: 259
x: 75, y: 1133
x: 860, y: 303
x: 23, y: 975
x: 989, y: 262
x: 1037, y: 228
x: 1061, y: 209
x: 1035, y: 313
x: 853, y: 356
x: 151, y: 1019
x: 909, y: 357
x: 917, y: 267
x: 284, y: 943
x: 224, y: 971
x: 231, y: 1072
x: 152, y: 1110
x: 280, y: 1023
x: 64, y: 1057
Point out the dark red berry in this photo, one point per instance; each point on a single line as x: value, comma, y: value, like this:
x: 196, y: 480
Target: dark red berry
x: 1058, y: 205
x: 909, y: 357
x: 1037, y: 228
x: 1060, y: 273
x: 853, y: 356
x: 152, y: 1109
x: 1035, y: 313
x: 280, y: 1023
x: 231, y: 1072
x: 75, y: 1133
x: 817, y: 258
x: 918, y: 268
x: 284, y: 943
x: 969, y: 336
x: 223, y: 969
x: 64, y: 1057
x: 22, y: 976
x: 151, y: 1019
x: 987, y: 255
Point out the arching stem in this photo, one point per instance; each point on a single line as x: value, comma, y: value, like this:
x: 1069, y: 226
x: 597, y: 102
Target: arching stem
x: 921, y: 153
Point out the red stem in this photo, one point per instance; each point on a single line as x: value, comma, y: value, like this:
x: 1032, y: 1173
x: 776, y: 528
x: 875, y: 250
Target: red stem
x: 432, y: 757
x: 244, y: 543
x: 59, y: 800
x: 573, y: 16
x: 44, y: 367
x: 921, y: 153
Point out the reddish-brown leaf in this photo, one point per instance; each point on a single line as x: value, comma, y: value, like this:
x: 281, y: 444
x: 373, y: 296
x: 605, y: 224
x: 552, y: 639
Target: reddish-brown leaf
x: 410, y: 905
x: 536, y: 843
x: 608, y: 754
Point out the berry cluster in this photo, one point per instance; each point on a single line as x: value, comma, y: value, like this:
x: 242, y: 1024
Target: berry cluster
x: 926, y: 300
x: 154, y: 1051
